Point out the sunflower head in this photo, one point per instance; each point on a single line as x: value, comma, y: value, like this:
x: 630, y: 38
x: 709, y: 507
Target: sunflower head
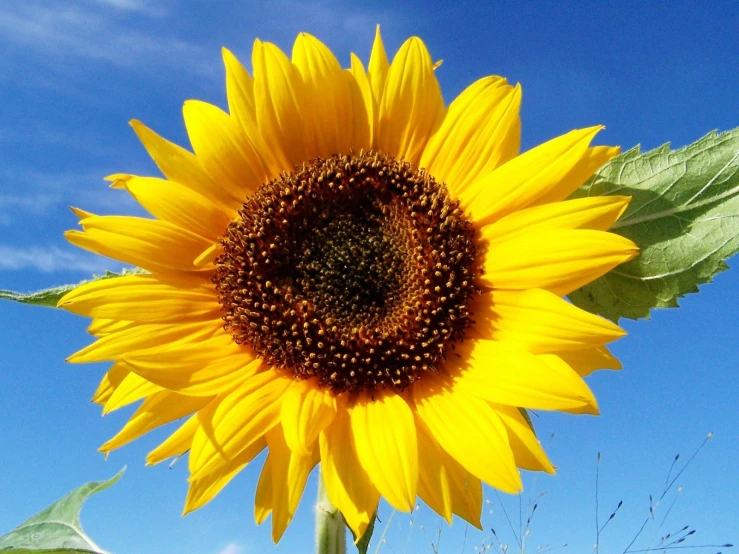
x: 346, y: 271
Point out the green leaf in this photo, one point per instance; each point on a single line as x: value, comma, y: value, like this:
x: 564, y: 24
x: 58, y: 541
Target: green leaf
x: 684, y: 216
x: 57, y: 529
x: 50, y: 297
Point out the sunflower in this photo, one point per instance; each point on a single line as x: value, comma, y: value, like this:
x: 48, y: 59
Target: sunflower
x: 348, y: 272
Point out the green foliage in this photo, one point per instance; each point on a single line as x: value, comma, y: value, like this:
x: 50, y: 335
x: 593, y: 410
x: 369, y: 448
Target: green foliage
x: 50, y: 297
x: 57, y: 529
x: 684, y: 216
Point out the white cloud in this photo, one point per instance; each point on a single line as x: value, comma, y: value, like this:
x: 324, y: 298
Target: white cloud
x: 38, y: 203
x: 47, y: 194
x: 142, y: 6
x: 58, y: 30
x: 232, y: 548
x: 336, y: 22
x: 51, y: 259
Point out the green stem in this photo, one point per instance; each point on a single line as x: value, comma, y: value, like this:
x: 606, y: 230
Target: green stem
x: 330, y: 531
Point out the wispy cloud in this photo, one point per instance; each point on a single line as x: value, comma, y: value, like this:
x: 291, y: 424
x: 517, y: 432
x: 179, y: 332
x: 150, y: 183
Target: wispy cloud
x: 44, y: 193
x: 97, y: 32
x: 51, y: 259
x: 34, y: 205
x: 338, y: 23
x: 232, y: 548
x: 37, y: 203
x: 141, y: 6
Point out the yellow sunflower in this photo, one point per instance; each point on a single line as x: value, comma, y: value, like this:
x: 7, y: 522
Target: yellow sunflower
x: 348, y: 272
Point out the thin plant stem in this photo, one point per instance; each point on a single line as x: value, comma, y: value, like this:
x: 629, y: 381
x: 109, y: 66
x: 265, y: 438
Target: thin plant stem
x: 384, y: 532
x: 597, y: 509
x: 667, y: 488
x: 330, y: 530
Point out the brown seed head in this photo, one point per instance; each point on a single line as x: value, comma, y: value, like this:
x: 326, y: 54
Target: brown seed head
x: 357, y: 269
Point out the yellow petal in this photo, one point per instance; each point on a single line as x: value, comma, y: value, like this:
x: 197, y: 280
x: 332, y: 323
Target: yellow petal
x: 131, y: 389
x: 181, y: 166
x: 157, y: 410
x: 470, y: 142
x: 290, y: 472
x: 263, y: 497
x: 360, y: 127
x: 241, y: 105
x: 469, y: 430
x: 510, y: 147
x: 201, y: 491
x: 306, y: 411
x: 236, y: 421
x: 526, y: 178
x: 557, y: 365
x: 157, y: 246
x: 143, y: 298
x: 559, y: 260
x: 445, y: 485
x: 279, y: 97
x: 378, y: 67
x: 593, y: 159
x: 239, y: 90
x: 176, y: 444
x: 142, y: 337
x: 80, y: 213
x: 411, y: 108
x: 187, y: 376
x: 586, y: 361
x: 597, y: 213
x: 199, y: 368
x: 507, y: 375
x: 348, y: 485
x: 208, y: 256
x: 327, y: 95
x: 539, y: 321
x: 525, y: 446
x: 103, y: 327
x: 223, y: 150
x: 179, y: 205
x: 112, y: 378
x: 433, y: 479
x: 370, y: 103
x: 388, y: 453
x: 466, y: 492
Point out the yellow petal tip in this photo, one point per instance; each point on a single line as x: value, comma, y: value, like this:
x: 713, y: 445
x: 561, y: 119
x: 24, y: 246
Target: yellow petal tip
x: 476, y: 524
x: 80, y: 213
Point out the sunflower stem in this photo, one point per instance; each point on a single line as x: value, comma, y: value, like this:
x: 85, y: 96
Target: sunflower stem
x: 330, y: 531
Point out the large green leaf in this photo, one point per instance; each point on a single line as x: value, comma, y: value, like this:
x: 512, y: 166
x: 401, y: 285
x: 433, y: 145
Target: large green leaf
x: 50, y: 297
x: 684, y: 215
x: 57, y: 529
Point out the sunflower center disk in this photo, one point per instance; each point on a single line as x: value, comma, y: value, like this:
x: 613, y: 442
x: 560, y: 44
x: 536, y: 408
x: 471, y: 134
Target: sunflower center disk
x: 357, y: 270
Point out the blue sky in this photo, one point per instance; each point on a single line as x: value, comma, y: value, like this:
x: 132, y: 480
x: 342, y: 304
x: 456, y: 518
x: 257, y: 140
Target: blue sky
x: 73, y: 73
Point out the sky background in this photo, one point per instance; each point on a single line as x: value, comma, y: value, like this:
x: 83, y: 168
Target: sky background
x: 73, y: 73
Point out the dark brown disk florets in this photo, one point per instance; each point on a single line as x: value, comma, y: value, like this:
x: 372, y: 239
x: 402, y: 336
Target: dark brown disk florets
x: 357, y: 270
